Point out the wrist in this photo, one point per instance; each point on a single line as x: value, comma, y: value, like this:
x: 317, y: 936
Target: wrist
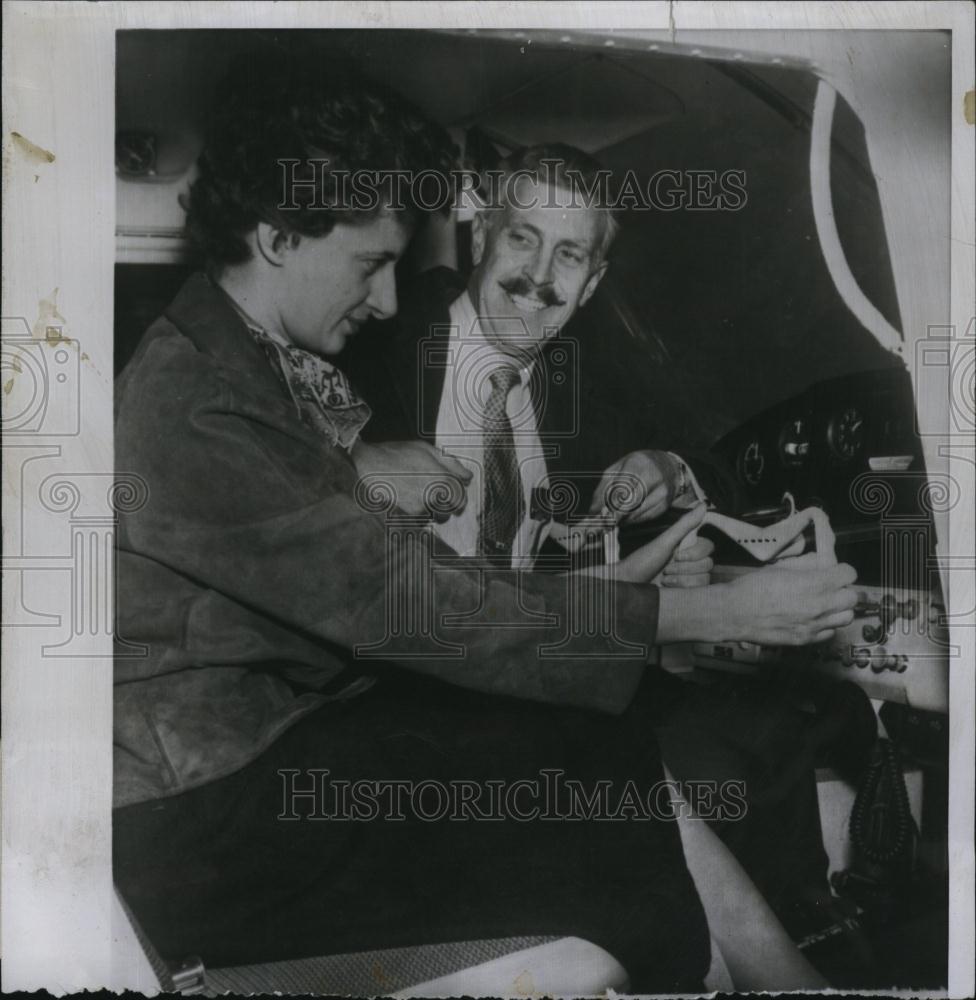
x: 689, y: 615
x: 725, y: 624
x: 699, y: 614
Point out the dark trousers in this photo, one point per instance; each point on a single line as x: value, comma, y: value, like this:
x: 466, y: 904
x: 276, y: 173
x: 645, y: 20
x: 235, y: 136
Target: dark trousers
x: 728, y: 731
x: 216, y: 872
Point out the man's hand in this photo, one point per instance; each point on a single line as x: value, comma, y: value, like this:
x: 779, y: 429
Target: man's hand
x: 423, y: 479
x: 773, y: 606
x: 791, y: 607
x: 638, y: 487
x: 644, y: 565
x: 691, y: 566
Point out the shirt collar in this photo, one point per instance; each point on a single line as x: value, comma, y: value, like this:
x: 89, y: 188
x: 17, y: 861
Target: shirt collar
x: 468, y: 333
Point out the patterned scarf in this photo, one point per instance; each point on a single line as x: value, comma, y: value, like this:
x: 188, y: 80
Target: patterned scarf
x: 324, y: 395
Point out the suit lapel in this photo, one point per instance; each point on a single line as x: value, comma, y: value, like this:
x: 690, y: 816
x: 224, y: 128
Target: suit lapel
x: 203, y: 314
x: 558, y: 403
x: 418, y: 364
x: 418, y: 361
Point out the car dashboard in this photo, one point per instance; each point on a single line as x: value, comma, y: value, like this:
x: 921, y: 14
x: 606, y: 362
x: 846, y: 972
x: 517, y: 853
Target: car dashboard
x: 850, y: 446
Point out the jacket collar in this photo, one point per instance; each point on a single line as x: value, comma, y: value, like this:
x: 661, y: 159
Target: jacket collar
x: 203, y: 314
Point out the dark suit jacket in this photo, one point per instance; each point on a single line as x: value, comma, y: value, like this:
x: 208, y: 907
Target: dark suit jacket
x: 591, y: 396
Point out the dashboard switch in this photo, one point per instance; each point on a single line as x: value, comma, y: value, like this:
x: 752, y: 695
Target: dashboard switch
x: 865, y: 606
x: 862, y: 657
x: 873, y: 633
x: 888, y: 611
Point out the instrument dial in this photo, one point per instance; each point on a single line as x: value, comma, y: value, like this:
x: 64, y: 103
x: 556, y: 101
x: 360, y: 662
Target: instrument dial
x: 794, y: 443
x: 752, y: 462
x: 845, y: 434
x: 135, y: 153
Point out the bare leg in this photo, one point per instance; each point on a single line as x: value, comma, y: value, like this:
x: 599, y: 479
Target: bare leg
x: 757, y: 950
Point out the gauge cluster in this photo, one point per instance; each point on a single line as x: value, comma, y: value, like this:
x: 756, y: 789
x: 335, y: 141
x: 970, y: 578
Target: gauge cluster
x: 817, y: 444
x: 849, y: 446
x: 804, y: 439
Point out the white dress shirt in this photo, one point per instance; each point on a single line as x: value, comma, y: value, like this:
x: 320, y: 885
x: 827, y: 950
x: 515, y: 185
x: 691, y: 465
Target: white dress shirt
x: 459, y: 431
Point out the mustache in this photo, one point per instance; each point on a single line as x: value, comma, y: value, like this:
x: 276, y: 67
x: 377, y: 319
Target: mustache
x: 524, y: 287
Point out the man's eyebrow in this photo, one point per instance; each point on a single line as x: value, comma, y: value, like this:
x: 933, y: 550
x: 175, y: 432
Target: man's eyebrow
x: 581, y: 244
x: 522, y: 224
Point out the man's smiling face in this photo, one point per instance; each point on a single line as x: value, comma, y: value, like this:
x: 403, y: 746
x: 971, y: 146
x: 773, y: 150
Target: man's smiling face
x: 534, y: 266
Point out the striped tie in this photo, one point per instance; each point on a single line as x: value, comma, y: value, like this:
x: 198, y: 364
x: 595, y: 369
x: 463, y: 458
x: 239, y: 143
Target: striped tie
x: 503, y: 508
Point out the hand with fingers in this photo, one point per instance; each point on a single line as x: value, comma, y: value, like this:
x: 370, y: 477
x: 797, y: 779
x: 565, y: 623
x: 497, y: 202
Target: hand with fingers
x: 423, y: 479
x: 691, y: 565
x: 795, y: 603
x: 639, y: 487
x: 647, y: 562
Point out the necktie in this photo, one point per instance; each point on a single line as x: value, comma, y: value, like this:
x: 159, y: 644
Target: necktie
x: 503, y: 506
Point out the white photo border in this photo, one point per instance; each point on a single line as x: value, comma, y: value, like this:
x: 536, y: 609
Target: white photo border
x: 59, y: 249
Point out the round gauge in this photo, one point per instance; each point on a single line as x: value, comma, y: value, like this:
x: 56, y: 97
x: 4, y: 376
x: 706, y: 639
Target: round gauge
x: 794, y: 443
x: 845, y: 434
x: 135, y: 153
x: 751, y: 463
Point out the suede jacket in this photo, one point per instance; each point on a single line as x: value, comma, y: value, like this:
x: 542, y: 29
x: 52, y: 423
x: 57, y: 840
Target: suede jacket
x: 256, y: 581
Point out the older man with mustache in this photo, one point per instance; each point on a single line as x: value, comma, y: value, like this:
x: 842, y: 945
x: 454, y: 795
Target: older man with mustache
x: 538, y: 261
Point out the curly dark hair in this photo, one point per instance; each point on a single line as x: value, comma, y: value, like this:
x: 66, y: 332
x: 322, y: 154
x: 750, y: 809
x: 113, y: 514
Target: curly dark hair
x: 272, y: 107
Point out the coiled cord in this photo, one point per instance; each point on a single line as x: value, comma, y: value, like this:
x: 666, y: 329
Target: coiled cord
x: 881, y: 825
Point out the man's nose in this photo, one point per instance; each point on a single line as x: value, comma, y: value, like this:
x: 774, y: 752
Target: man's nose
x: 539, y: 269
x: 382, y: 299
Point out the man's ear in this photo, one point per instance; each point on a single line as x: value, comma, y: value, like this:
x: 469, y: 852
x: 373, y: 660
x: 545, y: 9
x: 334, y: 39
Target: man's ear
x: 479, y: 236
x: 274, y: 244
x: 592, y: 281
